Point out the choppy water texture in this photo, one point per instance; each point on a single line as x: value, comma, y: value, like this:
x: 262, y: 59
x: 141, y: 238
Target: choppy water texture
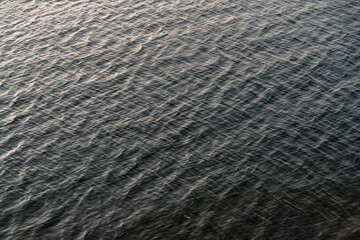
x: 158, y: 119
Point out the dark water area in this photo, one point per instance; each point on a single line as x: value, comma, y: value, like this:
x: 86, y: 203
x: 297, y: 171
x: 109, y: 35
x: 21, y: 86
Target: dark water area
x: 154, y: 119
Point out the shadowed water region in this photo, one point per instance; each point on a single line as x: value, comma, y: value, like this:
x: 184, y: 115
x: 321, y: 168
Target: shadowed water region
x: 199, y: 119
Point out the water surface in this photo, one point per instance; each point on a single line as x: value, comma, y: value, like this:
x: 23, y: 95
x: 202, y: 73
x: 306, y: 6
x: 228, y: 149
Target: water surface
x: 154, y: 119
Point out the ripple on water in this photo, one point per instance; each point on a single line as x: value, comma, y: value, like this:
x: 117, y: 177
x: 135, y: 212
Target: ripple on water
x: 179, y: 120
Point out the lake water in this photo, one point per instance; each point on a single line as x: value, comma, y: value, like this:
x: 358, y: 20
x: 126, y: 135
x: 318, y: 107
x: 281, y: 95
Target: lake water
x: 199, y: 119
